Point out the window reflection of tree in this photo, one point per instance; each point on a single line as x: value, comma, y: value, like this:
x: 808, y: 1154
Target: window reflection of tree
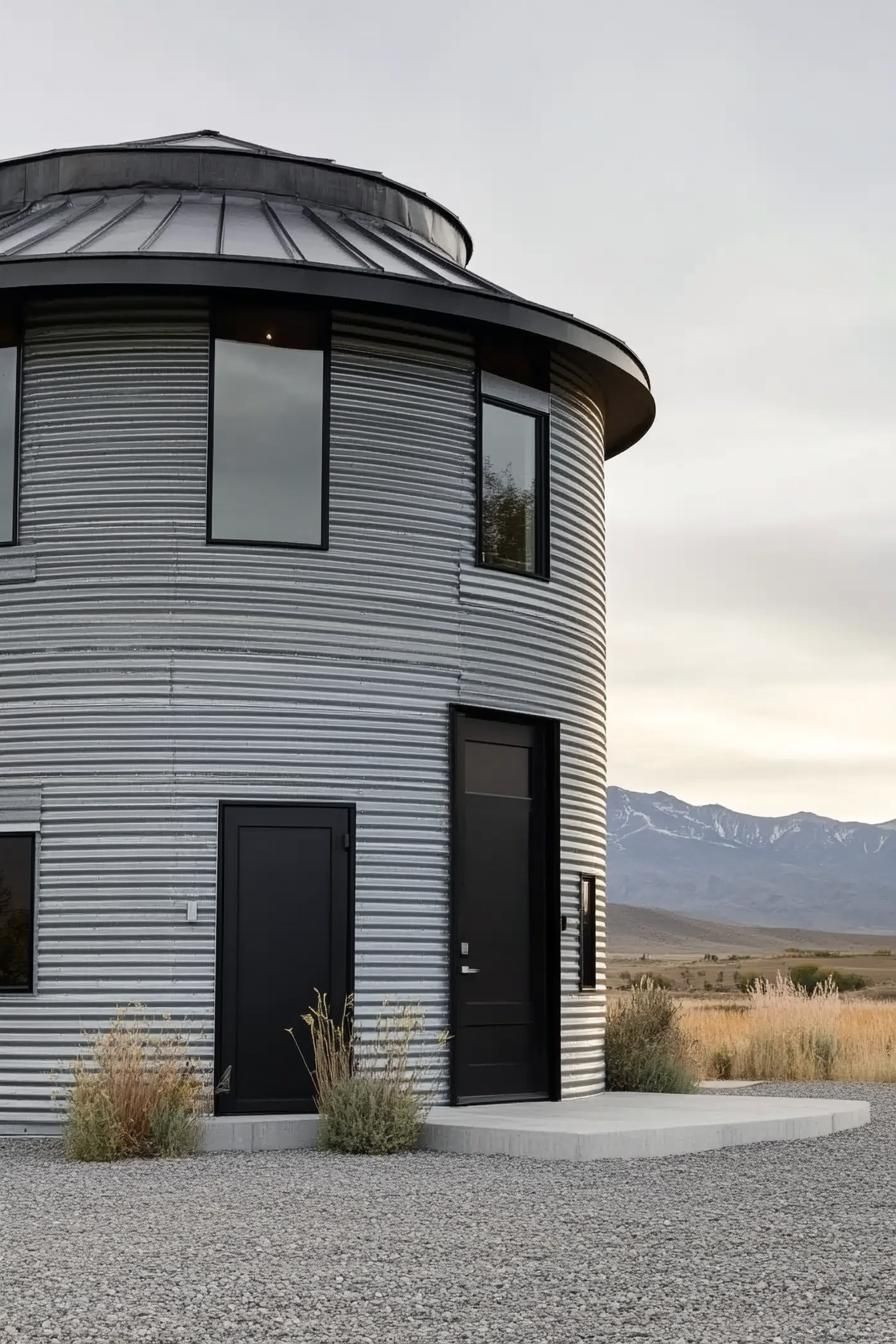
x: 508, y: 513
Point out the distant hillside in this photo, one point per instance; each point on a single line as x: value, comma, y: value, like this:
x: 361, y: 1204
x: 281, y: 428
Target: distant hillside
x: 633, y: 929
x: 800, y: 871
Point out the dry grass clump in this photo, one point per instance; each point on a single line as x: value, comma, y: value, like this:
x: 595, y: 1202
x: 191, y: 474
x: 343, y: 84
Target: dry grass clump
x: 136, y: 1094
x: 371, y: 1095
x: 783, y: 1033
x: 333, y: 1042
x: 646, y: 1049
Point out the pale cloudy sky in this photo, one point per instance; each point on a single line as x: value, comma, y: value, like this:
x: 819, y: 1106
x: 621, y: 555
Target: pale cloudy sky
x: 712, y: 180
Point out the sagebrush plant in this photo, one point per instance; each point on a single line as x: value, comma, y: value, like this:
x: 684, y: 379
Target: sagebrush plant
x: 136, y: 1092
x: 810, y: 976
x: 372, y: 1091
x: 785, y: 1033
x: 721, y: 1063
x: 646, y: 1048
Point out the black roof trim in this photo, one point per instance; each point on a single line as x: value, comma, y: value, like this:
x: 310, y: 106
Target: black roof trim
x: 617, y: 371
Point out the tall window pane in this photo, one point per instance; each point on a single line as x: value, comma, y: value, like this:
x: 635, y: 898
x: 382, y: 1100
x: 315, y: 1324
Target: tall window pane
x: 509, y: 523
x: 16, y: 910
x: 267, y: 447
x: 9, y: 363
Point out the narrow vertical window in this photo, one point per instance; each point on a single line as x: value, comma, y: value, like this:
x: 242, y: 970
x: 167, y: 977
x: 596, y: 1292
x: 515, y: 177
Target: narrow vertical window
x: 16, y: 911
x: 268, y: 429
x: 513, y: 480
x: 9, y: 377
x: 588, y: 931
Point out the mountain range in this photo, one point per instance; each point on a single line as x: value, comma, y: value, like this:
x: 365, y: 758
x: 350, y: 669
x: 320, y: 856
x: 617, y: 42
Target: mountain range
x: 633, y: 930
x: 714, y: 863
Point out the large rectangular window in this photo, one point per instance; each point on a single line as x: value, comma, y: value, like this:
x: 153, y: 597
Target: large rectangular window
x: 268, y: 449
x: 513, y: 476
x: 9, y: 378
x: 16, y: 911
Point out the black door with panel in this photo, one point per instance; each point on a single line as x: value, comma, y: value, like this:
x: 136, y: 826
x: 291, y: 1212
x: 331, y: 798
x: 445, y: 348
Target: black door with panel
x: 283, y: 933
x: 504, y: 936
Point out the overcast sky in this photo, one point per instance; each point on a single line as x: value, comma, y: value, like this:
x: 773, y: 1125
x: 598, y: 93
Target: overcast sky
x: 713, y: 182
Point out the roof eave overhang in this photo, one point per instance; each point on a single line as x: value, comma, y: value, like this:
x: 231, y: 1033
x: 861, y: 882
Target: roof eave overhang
x: 619, y: 376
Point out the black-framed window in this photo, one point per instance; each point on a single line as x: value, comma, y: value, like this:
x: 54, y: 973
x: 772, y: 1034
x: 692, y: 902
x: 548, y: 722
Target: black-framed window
x: 268, y: 428
x: 514, y: 445
x: 16, y: 912
x: 9, y: 426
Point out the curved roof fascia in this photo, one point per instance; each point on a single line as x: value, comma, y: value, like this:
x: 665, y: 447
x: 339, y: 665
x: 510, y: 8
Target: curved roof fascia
x: 618, y: 373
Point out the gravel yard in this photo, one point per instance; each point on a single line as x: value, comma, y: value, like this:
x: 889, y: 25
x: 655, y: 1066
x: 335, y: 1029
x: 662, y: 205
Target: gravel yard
x: 779, y: 1242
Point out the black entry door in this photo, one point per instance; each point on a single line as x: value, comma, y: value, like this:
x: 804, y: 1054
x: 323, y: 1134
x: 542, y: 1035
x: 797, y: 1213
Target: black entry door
x: 284, y: 932
x: 503, y: 930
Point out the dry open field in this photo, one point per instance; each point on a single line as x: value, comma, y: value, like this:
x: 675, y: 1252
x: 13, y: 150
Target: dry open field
x: 780, y: 1035
x: 783, y: 1036
x: 702, y: 974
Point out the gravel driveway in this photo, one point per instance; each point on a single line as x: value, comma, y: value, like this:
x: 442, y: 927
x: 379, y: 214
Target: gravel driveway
x: 780, y: 1242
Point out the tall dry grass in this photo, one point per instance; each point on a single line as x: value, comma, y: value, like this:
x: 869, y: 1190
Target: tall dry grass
x: 782, y: 1033
x: 333, y: 1042
x: 371, y: 1090
x: 136, y: 1093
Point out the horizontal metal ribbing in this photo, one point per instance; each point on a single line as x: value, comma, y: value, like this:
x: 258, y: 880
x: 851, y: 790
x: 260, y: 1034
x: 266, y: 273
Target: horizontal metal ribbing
x: 146, y: 676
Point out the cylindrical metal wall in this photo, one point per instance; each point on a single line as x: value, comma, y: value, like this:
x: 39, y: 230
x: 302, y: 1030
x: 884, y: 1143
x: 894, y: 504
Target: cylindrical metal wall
x: 146, y: 676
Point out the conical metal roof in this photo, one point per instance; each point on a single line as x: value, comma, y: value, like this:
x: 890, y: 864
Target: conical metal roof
x: 208, y: 140
x: 202, y: 210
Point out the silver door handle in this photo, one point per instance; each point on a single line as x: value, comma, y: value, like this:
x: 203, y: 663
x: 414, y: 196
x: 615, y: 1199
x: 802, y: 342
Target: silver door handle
x: 469, y: 970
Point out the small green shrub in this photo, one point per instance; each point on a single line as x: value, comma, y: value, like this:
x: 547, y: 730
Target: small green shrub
x: 722, y: 1063
x: 826, y: 1049
x: 809, y: 976
x: 646, y: 1048
x: 93, y: 1132
x: 137, y: 1094
x: 846, y: 980
x: 370, y: 1115
x: 371, y: 1096
x: 173, y: 1129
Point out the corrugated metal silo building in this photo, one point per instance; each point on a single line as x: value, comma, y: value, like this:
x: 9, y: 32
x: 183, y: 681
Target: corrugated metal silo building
x: 301, y: 623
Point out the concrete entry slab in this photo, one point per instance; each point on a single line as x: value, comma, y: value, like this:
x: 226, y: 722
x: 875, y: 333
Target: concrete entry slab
x: 634, y: 1124
x: 728, y: 1084
x: 258, y: 1133
x: 611, y: 1125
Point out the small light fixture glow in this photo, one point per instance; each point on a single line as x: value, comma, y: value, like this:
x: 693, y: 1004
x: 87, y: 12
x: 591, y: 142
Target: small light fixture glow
x: 269, y: 335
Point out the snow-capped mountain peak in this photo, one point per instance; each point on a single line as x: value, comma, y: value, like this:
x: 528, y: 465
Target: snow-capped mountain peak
x: 712, y: 860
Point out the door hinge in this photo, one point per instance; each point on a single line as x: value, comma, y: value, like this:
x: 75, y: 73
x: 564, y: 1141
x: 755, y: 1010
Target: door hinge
x: 347, y: 841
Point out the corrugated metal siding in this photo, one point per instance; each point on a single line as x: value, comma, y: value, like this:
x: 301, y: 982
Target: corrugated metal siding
x: 146, y: 676
x: 540, y: 649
